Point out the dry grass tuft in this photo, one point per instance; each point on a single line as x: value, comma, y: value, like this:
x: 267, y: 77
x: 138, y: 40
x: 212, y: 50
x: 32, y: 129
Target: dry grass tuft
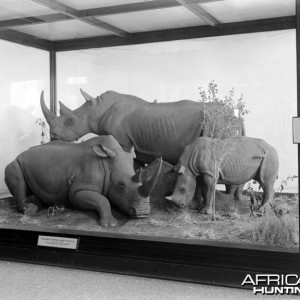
x: 276, y: 231
x: 182, y: 217
x: 27, y: 220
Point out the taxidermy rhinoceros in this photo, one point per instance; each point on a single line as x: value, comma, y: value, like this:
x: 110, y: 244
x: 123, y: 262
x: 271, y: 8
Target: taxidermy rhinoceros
x: 86, y: 176
x: 251, y: 159
x: 153, y: 129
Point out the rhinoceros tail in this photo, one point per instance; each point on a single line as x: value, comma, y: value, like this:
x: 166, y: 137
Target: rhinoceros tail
x: 259, y: 156
x: 71, y: 179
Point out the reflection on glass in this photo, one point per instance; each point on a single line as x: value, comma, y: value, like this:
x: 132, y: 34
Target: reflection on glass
x: 25, y: 73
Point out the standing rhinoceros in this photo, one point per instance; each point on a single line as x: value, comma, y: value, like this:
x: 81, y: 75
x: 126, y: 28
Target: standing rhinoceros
x: 153, y: 129
x: 251, y: 159
x: 86, y: 176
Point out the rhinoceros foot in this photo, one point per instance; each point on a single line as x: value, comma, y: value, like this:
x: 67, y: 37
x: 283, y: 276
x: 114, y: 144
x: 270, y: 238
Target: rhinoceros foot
x: 109, y: 221
x: 263, y: 209
x: 205, y: 210
x: 30, y: 209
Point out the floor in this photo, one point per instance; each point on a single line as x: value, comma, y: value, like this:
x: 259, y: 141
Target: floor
x: 35, y: 282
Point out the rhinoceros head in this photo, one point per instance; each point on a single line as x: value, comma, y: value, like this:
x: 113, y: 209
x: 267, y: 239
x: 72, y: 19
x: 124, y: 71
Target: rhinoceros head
x: 184, y: 188
x: 125, y: 188
x: 71, y: 124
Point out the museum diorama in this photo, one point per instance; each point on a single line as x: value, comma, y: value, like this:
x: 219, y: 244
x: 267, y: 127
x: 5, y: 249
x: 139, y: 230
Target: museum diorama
x: 144, y: 137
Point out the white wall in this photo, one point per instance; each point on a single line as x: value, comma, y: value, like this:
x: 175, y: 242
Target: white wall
x: 262, y: 66
x: 24, y: 73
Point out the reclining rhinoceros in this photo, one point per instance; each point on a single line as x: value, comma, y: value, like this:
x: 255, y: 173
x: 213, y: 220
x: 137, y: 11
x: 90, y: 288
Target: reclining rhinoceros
x: 251, y: 159
x: 153, y: 129
x: 86, y: 176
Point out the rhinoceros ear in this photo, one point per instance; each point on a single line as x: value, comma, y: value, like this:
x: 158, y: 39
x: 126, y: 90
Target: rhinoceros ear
x: 132, y: 151
x: 181, y: 170
x: 103, y: 151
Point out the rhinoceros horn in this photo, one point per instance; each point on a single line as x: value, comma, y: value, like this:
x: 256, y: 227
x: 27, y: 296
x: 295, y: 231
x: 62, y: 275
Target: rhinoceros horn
x: 64, y: 110
x: 137, y: 177
x: 148, y: 186
x: 49, y: 116
x: 86, y: 96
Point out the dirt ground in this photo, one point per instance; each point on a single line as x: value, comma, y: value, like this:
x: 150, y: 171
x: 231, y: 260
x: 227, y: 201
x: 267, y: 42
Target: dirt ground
x: 233, y: 222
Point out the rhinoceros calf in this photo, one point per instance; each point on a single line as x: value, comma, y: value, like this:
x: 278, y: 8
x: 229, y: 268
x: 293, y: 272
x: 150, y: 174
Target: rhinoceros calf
x: 86, y: 176
x: 251, y: 159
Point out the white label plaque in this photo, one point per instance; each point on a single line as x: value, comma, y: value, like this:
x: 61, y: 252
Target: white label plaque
x: 57, y: 242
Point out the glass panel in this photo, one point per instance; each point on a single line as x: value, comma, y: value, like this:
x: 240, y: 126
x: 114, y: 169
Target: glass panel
x: 236, y: 10
x: 157, y: 19
x: 88, y: 4
x: 11, y: 9
x: 261, y: 67
x: 21, y: 83
x: 63, y: 30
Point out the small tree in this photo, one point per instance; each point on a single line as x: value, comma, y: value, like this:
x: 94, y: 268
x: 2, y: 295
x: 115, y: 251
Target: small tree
x: 45, y: 134
x: 223, y: 123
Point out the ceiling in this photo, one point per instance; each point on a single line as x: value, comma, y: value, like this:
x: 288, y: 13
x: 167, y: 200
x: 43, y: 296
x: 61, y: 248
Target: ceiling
x: 63, y: 20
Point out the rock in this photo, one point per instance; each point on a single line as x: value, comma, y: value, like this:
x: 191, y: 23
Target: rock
x: 165, y: 182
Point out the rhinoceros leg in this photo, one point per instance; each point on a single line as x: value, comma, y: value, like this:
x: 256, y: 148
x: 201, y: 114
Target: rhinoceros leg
x: 208, y: 190
x: 198, y: 195
x: 268, y: 189
x: 17, y: 185
x: 230, y: 189
x: 267, y: 184
x: 90, y: 200
x: 236, y: 191
x: 238, y: 194
x: 268, y: 174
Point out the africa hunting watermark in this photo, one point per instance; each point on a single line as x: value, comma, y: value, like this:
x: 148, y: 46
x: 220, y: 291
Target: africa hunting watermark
x: 274, y: 284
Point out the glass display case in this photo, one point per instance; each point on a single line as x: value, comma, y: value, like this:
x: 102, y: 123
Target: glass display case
x: 72, y: 71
